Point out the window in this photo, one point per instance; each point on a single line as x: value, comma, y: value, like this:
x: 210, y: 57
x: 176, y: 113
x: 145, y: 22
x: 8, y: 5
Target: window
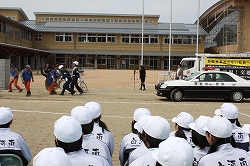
x: 13, y: 18
x: 82, y: 37
x: 187, y: 39
x: 138, y: 21
x: 58, y: 19
x: 125, y: 38
x: 90, y: 19
x: 42, y: 19
x: 64, y: 37
x: 9, y: 31
x: 26, y: 34
x: 135, y: 38
x: 101, y: 60
x: 134, y: 60
x: 166, y: 39
x: 195, y: 40
x: 151, y: 38
x: 2, y: 26
x: 150, y: 21
x: 86, y: 20
x: 101, y: 38
x: 38, y: 37
x: 46, y: 18
x: 51, y: 19
x: 75, y: 19
x: 66, y: 19
x: 111, y: 38
x: 177, y: 39
x: 224, y: 78
x: 91, y: 37
x: 17, y: 34
x: 146, y: 21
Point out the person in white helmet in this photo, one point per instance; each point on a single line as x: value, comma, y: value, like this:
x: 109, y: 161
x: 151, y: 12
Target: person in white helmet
x: 174, y: 151
x: 221, y: 151
x: 11, y: 142
x: 75, y: 77
x: 142, y: 149
x: 90, y: 143
x: 155, y: 130
x: 67, y: 77
x: 131, y: 141
x: 52, y: 157
x: 183, y: 130
x: 230, y: 111
x: 68, y: 135
x: 100, y: 129
x: 199, y: 138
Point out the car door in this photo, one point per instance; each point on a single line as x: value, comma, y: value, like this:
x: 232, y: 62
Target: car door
x: 201, y: 87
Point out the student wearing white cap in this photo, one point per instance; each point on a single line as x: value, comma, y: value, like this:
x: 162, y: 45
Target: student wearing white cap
x: 183, y: 130
x: 174, y: 151
x: 155, y: 130
x: 230, y: 111
x: 199, y: 138
x: 100, y: 128
x: 246, y: 129
x: 221, y: 152
x: 68, y: 133
x: 142, y: 149
x: 52, y: 157
x: 90, y: 143
x: 11, y: 142
x: 131, y: 141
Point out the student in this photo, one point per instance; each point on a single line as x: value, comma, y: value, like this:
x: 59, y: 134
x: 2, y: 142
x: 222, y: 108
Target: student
x: 75, y: 77
x: 11, y: 142
x: 100, y: 129
x: 183, y: 130
x: 68, y: 135
x: 90, y: 143
x: 199, y: 138
x: 142, y: 77
x: 66, y: 76
x: 174, y: 151
x: 179, y: 73
x: 142, y: 149
x: 221, y: 152
x: 52, y: 157
x: 26, y: 77
x: 131, y: 141
x: 246, y: 129
x: 50, y: 81
x: 152, y: 139
x: 230, y: 111
x: 14, y: 78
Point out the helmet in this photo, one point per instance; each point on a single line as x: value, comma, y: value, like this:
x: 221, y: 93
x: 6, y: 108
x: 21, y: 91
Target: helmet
x: 60, y: 67
x: 47, y: 70
x: 76, y: 63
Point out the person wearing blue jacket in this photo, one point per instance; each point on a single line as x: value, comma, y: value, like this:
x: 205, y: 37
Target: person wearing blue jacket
x: 26, y: 77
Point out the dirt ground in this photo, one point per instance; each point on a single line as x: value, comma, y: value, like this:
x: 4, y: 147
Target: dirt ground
x: 34, y: 116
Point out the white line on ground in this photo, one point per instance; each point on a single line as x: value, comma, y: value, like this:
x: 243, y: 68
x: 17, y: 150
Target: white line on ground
x: 244, y: 114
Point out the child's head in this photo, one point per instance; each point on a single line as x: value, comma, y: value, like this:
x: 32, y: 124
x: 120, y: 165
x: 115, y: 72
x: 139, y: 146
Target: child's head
x: 6, y: 117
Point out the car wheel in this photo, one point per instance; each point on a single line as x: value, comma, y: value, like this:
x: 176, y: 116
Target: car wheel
x: 237, y: 96
x: 176, y: 95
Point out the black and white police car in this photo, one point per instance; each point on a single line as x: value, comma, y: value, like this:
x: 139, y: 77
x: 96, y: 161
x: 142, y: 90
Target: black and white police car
x: 206, y: 84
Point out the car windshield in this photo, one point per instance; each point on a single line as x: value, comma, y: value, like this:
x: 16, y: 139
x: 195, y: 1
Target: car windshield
x: 192, y: 76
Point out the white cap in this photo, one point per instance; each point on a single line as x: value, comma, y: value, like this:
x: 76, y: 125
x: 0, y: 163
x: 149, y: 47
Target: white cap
x: 246, y: 128
x: 199, y: 124
x: 174, y: 151
x: 83, y: 114
x: 60, y: 67
x: 67, y: 129
x: 183, y: 119
x: 219, y: 127
x: 228, y: 110
x: 95, y: 109
x: 52, y: 157
x: 140, y: 123
x: 157, y: 127
x: 76, y: 63
x: 5, y: 115
x: 139, y: 112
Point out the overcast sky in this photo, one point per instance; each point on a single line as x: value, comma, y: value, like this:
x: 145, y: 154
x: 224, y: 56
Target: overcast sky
x: 184, y: 11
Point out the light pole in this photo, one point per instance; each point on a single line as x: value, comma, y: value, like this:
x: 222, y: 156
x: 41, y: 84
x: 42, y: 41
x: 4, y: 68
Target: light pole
x: 142, y: 33
x: 170, y: 41
x: 198, y: 24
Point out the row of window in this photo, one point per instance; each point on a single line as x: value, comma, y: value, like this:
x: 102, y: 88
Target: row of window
x: 95, y: 20
x: 2, y: 26
x: 11, y: 17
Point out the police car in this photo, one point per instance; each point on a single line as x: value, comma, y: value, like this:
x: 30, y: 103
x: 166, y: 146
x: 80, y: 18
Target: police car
x: 206, y: 84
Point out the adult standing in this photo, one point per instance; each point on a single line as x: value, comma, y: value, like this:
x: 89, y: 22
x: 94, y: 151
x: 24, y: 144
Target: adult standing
x: 66, y: 76
x: 75, y: 77
x: 142, y: 77
x: 27, y: 76
x: 179, y: 73
x: 14, y: 78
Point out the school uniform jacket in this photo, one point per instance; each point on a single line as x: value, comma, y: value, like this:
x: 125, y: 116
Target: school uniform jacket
x: 129, y: 143
x: 241, y: 138
x: 105, y: 137
x: 138, y: 152
x: 145, y: 160
x: 93, y: 146
x: 198, y: 154
x: 14, y: 143
x: 226, y: 155
x: 188, y: 135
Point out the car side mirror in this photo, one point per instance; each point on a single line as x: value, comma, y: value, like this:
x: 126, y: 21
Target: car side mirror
x: 196, y: 80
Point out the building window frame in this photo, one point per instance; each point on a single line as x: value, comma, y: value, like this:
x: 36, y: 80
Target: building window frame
x: 38, y: 37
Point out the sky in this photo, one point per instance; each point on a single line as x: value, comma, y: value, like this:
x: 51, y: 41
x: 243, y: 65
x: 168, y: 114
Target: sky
x: 183, y: 11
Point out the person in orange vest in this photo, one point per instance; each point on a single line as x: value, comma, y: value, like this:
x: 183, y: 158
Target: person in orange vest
x: 14, y: 78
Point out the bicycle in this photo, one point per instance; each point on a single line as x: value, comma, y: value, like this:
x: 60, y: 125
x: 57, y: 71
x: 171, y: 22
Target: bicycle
x: 80, y: 82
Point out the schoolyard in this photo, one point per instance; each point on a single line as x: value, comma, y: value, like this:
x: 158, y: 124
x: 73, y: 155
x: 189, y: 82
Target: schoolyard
x: 34, y: 116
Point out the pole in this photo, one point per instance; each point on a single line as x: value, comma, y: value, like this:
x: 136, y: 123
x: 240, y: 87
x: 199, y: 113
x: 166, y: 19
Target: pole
x: 170, y: 41
x: 142, y: 32
x: 198, y: 24
x: 134, y: 79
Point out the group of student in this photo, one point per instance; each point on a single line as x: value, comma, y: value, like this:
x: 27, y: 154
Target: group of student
x: 83, y: 139
x: 52, y: 76
x: 207, y: 141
